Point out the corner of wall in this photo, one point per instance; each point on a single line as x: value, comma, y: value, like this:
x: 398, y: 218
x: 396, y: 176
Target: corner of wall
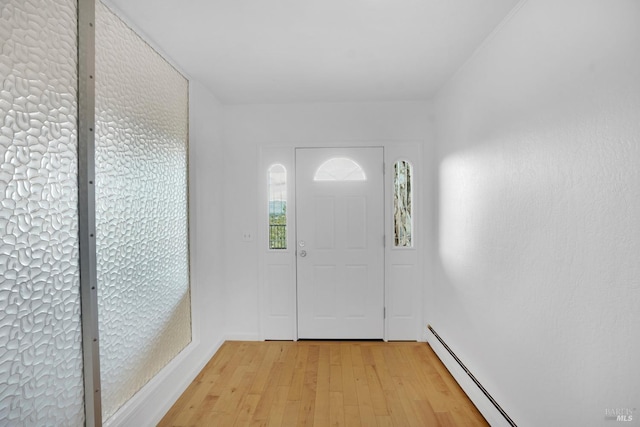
x: 154, y: 400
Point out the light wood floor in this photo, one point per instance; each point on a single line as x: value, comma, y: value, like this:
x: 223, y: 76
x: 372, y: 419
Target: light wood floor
x: 322, y: 383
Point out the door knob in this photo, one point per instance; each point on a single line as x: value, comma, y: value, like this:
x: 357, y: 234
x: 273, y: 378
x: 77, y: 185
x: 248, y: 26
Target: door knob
x: 303, y: 253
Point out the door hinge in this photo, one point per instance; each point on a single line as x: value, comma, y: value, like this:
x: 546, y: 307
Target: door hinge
x: 384, y: 312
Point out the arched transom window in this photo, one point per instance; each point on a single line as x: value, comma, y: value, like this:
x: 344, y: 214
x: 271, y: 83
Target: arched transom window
x: 340, y: 169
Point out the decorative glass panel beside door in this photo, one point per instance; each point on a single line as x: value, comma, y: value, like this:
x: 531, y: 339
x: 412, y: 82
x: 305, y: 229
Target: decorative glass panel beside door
x: 402, y: 204
x: 277, y: 207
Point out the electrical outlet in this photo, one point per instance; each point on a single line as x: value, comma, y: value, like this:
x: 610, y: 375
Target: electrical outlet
x: 247, y: 236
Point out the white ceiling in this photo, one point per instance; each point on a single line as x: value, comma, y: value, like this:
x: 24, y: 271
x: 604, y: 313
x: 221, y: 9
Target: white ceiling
x: 278, y: 51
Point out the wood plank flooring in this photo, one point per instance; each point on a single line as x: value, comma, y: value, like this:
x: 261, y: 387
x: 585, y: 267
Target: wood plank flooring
x: 324, y: 383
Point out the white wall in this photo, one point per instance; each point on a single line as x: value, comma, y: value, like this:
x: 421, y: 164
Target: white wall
x: 207, y: 214
x: 539, y: 212
x: 207, y: 265
x: 248, y: 127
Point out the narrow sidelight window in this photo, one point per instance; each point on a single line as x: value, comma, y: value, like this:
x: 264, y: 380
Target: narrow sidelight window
x: 403, y: 204
x: 277, y: 207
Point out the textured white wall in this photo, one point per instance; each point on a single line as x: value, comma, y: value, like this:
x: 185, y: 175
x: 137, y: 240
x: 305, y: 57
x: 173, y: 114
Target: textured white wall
x: 40, y: 330
x: 539, y: 212
x: 248, y: 127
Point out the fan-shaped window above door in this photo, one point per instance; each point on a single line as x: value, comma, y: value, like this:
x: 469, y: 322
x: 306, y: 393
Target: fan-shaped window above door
x: 340, y: 169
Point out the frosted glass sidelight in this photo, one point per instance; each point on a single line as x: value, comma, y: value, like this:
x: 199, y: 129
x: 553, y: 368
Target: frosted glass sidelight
x: 277, y: 207
x: 40, y: 330
x: 402, y: 204
x: 141, y: 210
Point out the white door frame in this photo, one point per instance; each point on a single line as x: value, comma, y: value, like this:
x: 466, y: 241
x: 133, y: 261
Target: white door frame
x: 277, y: 268
x: 370, y: 255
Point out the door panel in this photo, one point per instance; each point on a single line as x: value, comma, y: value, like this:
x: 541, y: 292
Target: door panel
x: 356, y: 232
x: 340, y: 253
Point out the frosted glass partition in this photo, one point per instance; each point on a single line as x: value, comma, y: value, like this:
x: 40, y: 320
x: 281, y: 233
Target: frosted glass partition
x: 40, y: 330
x: 141, y: 210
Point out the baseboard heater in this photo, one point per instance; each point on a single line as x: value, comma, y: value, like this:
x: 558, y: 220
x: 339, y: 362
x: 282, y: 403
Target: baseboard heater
x: 473, y: 378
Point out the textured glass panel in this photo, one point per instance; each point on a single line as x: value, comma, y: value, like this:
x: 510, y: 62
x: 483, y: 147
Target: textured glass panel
x: 340, y: 169
x: 277, y: 207
x: 402, y: 204
x: 40, y: 331
x: 141, y: 210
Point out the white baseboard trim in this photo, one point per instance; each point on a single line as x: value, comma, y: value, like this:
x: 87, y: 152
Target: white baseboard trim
x: 153, y: 401
x: 484, y: 405
x: 243, y: 337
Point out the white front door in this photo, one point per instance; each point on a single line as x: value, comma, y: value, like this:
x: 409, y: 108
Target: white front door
x: 340, y: 242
